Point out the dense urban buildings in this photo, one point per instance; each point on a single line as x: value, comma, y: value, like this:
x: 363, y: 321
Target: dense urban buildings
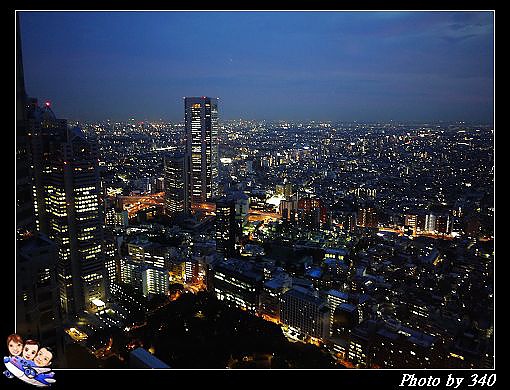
x: 347, y: 253
x: 333, y: 262
x: 215, y: 243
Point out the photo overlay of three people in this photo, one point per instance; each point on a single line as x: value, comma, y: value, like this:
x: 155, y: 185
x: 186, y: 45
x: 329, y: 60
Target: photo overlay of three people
x: 28, y: 361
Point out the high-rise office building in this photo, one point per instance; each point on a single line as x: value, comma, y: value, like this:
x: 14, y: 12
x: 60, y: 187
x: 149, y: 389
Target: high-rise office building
x: 334, y: 299
x: 242, y: 206
x: 155, y: 280
x: 131, y: 272
x: 367, y: 217
x: 272, y: 291
x: 345, y: 318
x: 66, y: 199
x: 443, y: 224
x: 411, y: 220
x: 25, y: 221
x: 238, y: 284
x: 37, y: 310
x: 201, y: 126
x: 226, y: 226
x: 304, y: 312
x: 46, y: 133
x: 427, y: 222
x: 349, y: 221
x: 176, y: 184
x: 112, y: 264
x: 145, y: 267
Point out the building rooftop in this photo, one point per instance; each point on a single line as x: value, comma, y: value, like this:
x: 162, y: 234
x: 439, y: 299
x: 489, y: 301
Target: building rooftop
x: 240, y: 268
x: 303, y: 293
x: 347, y: 307
x: 339, y: 294
x: 337, y: 251
x: 149, y: 360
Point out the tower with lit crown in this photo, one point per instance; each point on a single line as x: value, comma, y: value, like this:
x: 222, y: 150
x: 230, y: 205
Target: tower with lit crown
x: 201, y: 126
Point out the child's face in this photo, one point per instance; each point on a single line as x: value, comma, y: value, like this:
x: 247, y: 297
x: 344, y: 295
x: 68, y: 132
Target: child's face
x: 43, y: 357
x: 15, y: 348
x: 29, y: 351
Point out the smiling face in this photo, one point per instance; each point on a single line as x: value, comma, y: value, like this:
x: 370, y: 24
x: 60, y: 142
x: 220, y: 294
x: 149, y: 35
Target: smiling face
x: 15, y: 348
x: 29, y: 351
x: 43, y: 357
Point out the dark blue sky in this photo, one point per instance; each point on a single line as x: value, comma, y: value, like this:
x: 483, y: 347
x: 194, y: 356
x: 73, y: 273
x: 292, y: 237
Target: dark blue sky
x: 364, y: 66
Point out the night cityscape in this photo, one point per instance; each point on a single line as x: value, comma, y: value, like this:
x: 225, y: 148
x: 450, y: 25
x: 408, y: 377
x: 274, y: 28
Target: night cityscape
x: 350, y: 225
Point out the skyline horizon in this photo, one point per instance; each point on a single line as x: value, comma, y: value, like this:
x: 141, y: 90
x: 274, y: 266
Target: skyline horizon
x: 339, y: 65
x: 336, y: 121
x: 142, y: 118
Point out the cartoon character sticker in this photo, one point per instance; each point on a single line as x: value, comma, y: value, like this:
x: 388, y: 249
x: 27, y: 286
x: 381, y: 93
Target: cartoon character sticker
x: 15, y: 344
x: 28, y: 361
x: 30, y: 349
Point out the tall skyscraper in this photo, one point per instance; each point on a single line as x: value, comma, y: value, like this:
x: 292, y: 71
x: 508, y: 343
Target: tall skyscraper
x: 79, y: 180
x: 176, y: 184
x: 45, y: 133
x: 25, y: 221
x: 201, y: 126
x: 37, y: 309
x: 66, y: 196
